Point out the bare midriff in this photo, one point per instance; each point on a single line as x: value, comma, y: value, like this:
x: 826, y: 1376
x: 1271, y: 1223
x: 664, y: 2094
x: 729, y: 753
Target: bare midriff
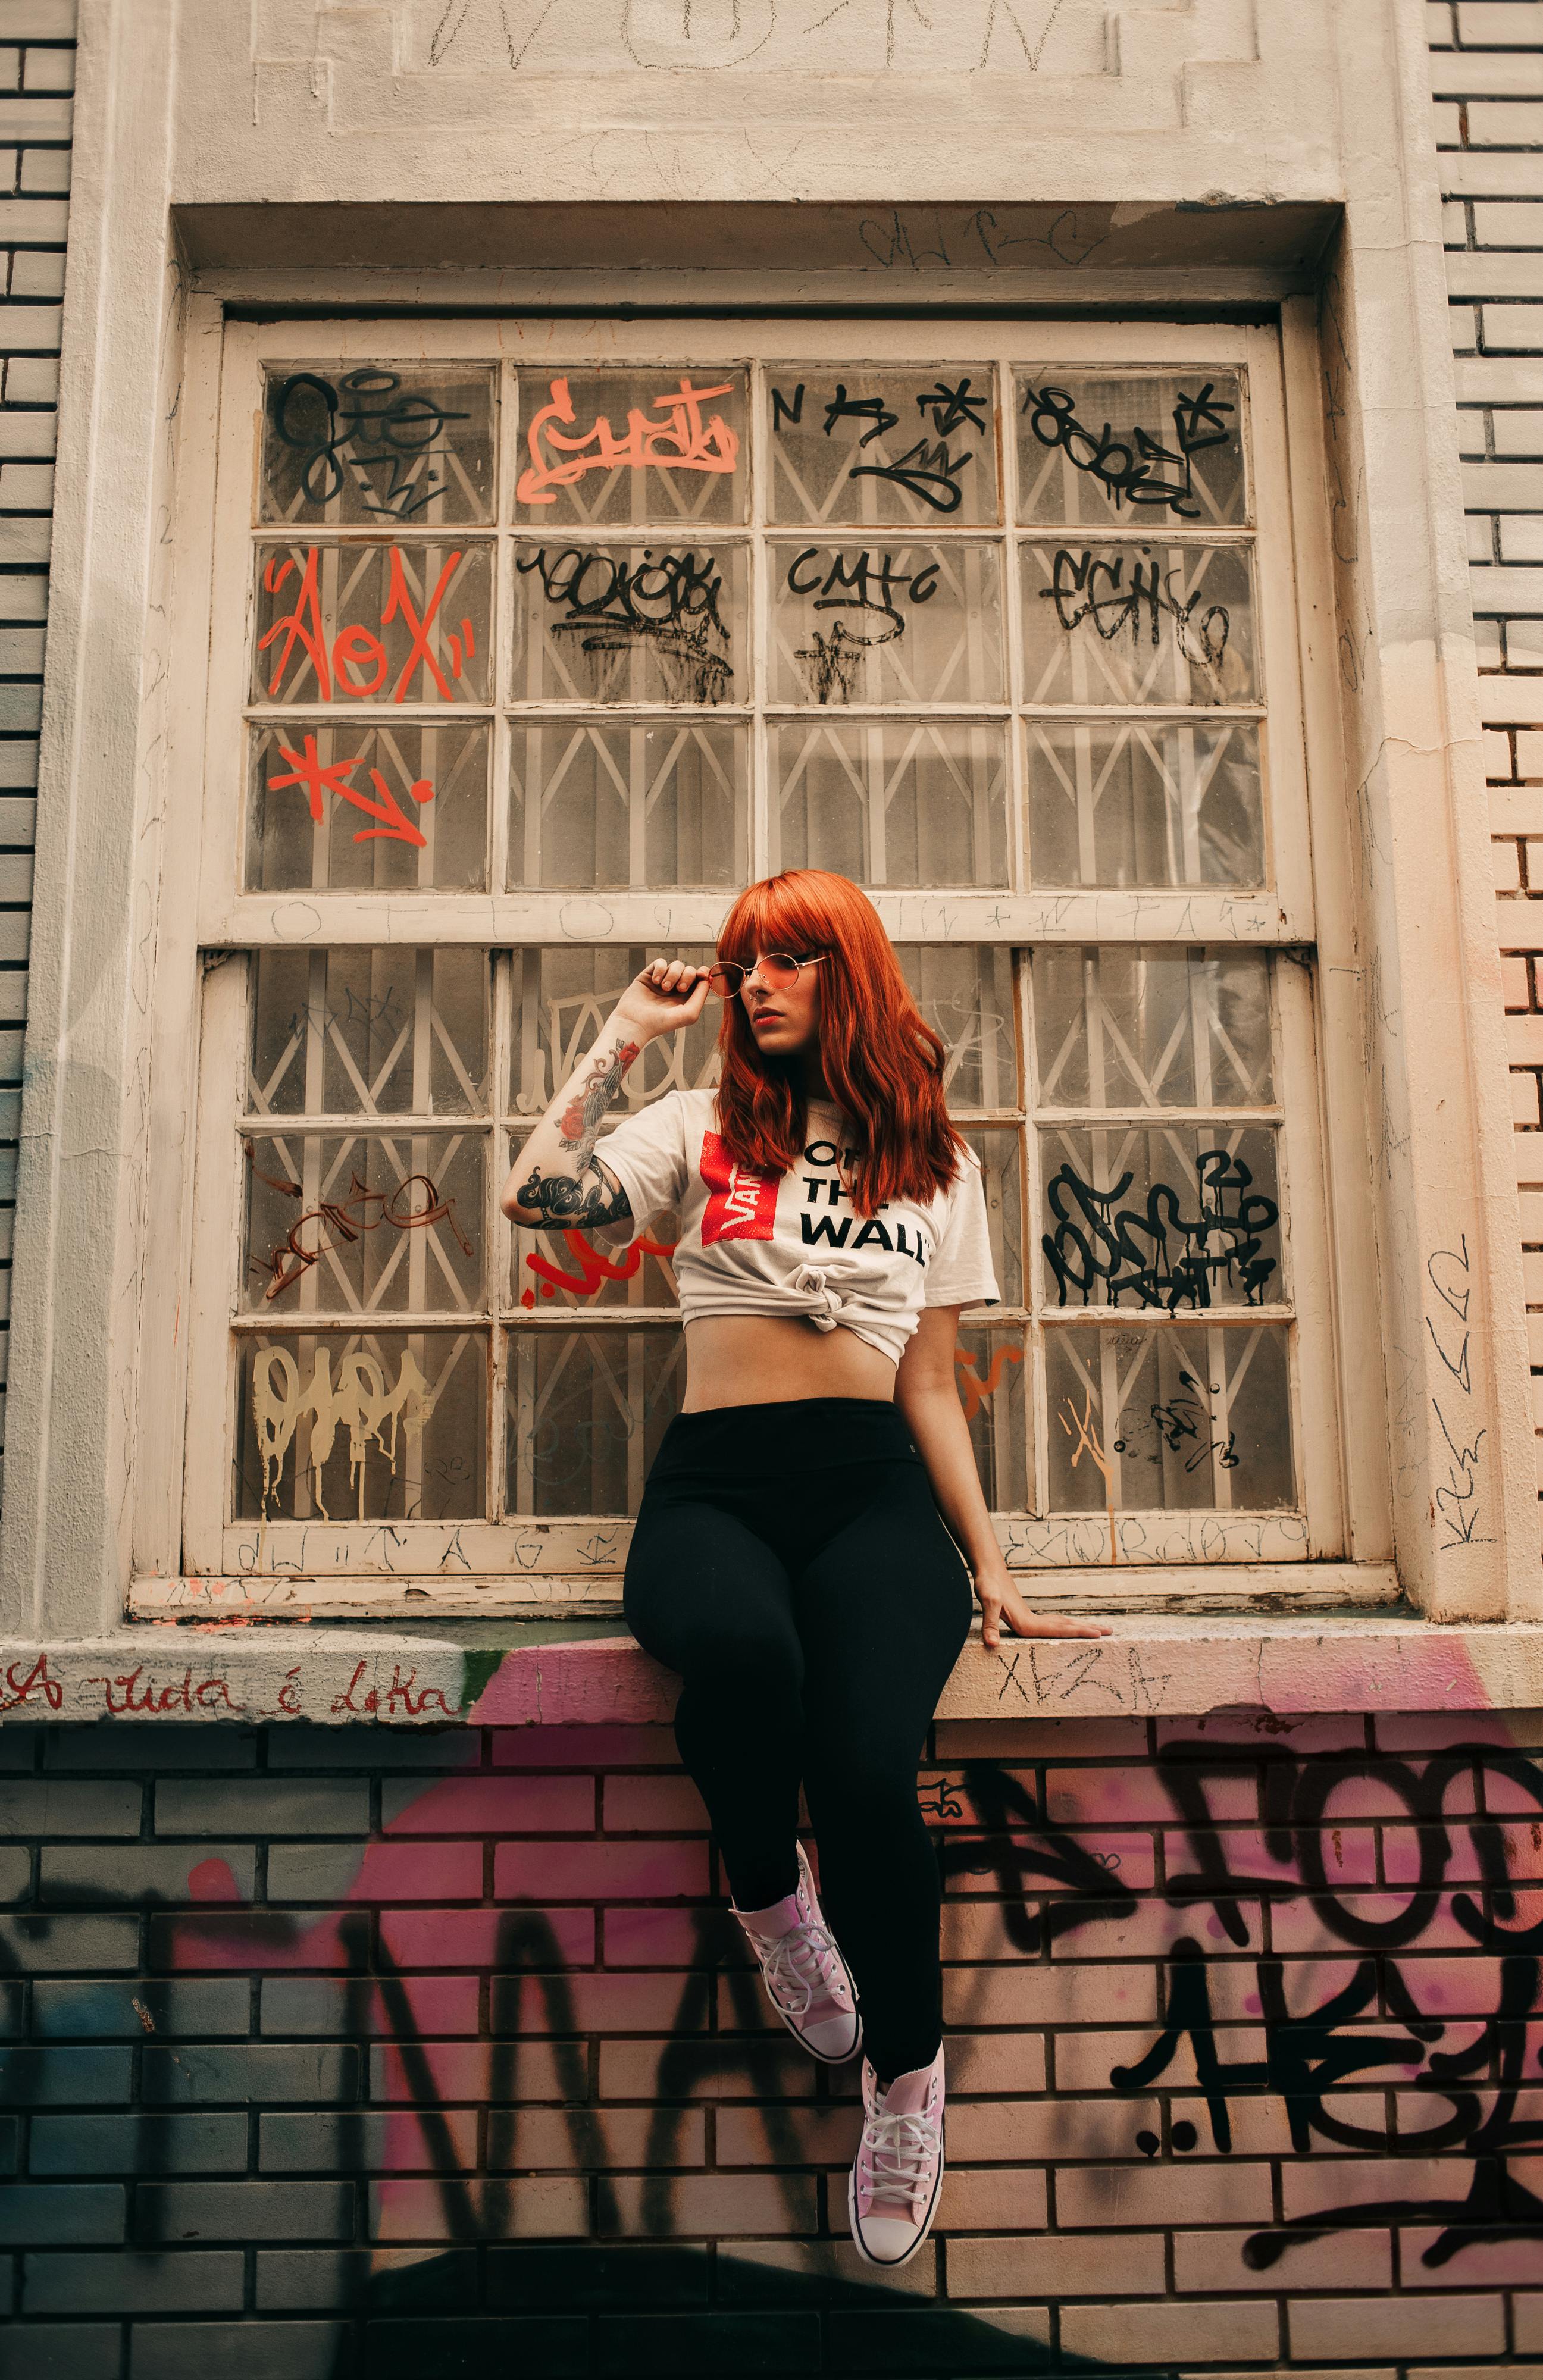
x: 745, y: 1359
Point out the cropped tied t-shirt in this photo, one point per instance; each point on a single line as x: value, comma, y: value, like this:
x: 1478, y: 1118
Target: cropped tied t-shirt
x: 794, y: 1244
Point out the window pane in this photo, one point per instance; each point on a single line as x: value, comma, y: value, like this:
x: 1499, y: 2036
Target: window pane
x: 361, y: 1425
x: 1134, y: 447
x: 349, y: 806
x: 603, y: 449
x: 1172, y: 1218
x: 909, y: 445
x: 570, y: 1268
x: 373, y: 622
x: 362, y: 1032
x: 1169, y: 1420
x: 964, y: 992
x: 891, y: 804
x: 1151, y: 802
x: 587, y: 1411
x: 1117, y: 624
x: 564, y: 995
x: 631, y: 624
x: 353, y: 445
x: 890, y: 624
x: 991, y: 1375
x: 364, y: 1224
x: 1000, y: 1159
x: 598, y: 806
x: 1119, y: 1026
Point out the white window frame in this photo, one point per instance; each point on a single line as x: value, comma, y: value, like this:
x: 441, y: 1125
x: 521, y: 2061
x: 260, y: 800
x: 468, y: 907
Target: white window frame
x: 1339, y: 1431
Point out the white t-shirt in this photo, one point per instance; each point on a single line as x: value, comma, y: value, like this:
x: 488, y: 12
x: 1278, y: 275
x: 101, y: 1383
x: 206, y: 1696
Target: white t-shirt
x: 792, y: 1243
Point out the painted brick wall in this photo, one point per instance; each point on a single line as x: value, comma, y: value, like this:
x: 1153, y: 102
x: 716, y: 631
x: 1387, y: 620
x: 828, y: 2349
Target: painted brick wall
x: 37, y: 76
x: 352, y: 2052
x: 1486, y: 75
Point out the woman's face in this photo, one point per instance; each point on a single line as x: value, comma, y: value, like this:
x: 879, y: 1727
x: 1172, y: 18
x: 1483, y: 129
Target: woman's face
x: 784, y: 1020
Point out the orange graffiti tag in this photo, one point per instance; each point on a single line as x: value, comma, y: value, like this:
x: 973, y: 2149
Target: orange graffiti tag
x: 1086, y: 1432
x: 319, y: 777
x: 681, y: 442
x: 348, y: 1220
x: 593, y: 1268
x: 355, y: 648
x: 975, y: 1390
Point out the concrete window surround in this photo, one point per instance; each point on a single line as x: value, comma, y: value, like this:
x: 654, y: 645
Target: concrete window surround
x: 1337, y: 234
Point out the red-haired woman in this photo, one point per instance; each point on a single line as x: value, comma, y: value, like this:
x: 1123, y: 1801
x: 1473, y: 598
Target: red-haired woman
x: 806, y: 1544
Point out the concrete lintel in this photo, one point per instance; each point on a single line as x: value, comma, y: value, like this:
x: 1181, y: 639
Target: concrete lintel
x: 1151, y: 1667
x: 893, y: 244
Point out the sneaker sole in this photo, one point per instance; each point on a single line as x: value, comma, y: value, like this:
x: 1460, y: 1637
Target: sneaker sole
x: 892, y: 2263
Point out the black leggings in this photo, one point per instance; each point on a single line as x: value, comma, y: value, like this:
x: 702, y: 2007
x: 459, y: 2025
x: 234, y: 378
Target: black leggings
x: 790, y: 1563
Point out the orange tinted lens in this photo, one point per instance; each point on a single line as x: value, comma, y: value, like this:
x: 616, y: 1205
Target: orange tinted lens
x: 725, y: 978
x: 778, y: 970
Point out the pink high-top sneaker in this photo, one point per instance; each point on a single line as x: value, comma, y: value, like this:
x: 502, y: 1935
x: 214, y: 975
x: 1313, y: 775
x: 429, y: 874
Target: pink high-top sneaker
x: 898, y: 2171
x: 804, y: 1971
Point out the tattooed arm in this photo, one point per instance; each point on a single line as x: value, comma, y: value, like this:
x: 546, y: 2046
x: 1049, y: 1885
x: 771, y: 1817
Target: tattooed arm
x: 558, y: 1182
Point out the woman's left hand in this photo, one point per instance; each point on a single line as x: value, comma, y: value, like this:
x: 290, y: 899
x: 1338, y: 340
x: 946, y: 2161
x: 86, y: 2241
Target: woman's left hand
x: 1001, y: 1604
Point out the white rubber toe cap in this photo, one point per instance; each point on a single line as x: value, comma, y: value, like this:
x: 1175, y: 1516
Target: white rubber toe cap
x: 836, y: 2039
x: 886, y: 2239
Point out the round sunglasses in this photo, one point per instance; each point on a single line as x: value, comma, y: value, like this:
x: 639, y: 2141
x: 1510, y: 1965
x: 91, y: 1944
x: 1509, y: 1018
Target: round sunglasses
x: 777, y: 971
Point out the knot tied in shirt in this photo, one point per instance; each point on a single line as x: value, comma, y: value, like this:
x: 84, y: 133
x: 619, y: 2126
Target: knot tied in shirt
x: 811, y: 1281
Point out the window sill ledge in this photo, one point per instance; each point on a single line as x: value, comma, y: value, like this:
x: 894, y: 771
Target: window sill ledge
x: 577, y: 1673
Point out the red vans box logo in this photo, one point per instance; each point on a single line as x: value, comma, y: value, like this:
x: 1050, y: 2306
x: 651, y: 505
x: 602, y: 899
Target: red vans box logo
x: 743, y: 1205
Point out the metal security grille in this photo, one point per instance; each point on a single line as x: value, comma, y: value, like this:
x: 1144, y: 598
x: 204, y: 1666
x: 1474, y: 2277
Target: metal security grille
x: 524, y: 659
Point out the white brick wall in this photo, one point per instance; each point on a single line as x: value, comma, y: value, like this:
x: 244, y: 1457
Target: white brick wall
x: 37, y: 75
x: 1487, y: 76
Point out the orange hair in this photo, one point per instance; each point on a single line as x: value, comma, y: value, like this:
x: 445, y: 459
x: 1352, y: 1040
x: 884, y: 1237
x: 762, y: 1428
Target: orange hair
x: 884, y: 1065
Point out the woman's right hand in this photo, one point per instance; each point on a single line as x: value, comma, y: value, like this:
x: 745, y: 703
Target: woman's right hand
x: 668, y: 994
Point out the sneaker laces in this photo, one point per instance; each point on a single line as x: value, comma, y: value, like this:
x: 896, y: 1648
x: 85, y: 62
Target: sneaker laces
x: 899, y: 2151
x: 795, y: 1966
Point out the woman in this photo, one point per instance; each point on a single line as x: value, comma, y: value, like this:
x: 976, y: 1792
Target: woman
x: 805, y: 1546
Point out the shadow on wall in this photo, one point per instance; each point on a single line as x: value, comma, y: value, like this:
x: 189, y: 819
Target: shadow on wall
x: 1348, y: 1945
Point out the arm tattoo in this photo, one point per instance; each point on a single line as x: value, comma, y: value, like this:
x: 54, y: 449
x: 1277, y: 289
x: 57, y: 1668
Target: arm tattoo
x: 578, y: 1126
x: 584, y: 1204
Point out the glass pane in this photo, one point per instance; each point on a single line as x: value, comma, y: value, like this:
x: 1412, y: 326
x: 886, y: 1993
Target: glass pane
x: 1001, y: 1157
x: 564, y: 995
x: 631, y: 624
x: 587, y: 1411
x: 363, y: 1032
x: 896, y: 624
x: 597, y: 807
x: 605, y: 449
x: 347, y: 1223
x: 1174, y: 1217
x: 1095, y: 447
x: 992, y: 1378
x: 361, y: 1425
x: 356, y: 444
x: 1116, y: 623
x: 891, y: 804
x: 1169, y: 1420
x: 367, y: 808
x: 1119, y: 1026
x: 1149, y: 802
x: 964, y: 992
x: 907, y: 445
x: 373, y: 622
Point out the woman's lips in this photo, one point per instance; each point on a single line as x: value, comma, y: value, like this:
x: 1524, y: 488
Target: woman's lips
x: 768, y: 1017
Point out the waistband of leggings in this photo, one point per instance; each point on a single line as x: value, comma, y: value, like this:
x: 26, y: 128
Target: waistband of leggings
x: 810, y: 1434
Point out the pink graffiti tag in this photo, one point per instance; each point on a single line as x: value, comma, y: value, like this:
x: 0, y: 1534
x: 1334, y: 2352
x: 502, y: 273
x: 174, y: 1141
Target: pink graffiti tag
x: 681, y: 442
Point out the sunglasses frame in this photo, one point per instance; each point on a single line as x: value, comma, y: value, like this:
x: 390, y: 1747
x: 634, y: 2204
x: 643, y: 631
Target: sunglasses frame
x: 768, y: 958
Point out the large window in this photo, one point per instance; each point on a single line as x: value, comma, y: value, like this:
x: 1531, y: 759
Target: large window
x: 529, y: 648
